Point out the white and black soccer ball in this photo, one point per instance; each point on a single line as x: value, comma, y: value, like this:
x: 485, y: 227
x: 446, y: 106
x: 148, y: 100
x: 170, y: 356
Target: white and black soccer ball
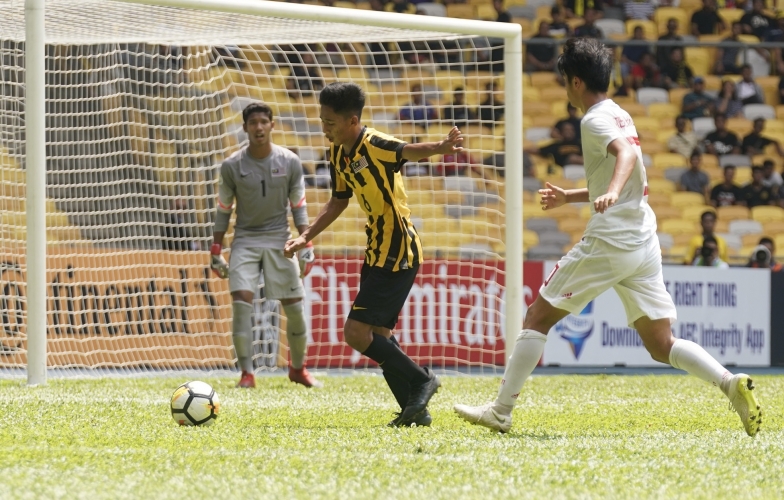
x: 195, y: 403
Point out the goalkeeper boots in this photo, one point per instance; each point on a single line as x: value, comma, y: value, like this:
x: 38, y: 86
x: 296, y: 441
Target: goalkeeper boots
x: 485, y: 415
x: 422, y: 420
x: 303, y: 376
x: 744, y: 402
x: 247, y: 380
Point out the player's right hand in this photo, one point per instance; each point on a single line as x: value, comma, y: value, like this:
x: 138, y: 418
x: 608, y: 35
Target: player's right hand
x: 218, y: 264
x: 552, y: 197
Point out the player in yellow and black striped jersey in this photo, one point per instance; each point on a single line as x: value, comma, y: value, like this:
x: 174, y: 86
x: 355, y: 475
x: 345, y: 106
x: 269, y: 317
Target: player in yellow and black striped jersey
x: 366, y: 163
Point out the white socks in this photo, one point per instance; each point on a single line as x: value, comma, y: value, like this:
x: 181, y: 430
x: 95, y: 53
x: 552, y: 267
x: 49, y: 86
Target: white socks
x: 690, y: 357
x: 526, y: 355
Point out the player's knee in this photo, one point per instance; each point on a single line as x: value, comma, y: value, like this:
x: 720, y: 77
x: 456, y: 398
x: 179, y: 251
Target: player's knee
x: 242, y: 295
x: 356, y: 334
x: 659, y: 349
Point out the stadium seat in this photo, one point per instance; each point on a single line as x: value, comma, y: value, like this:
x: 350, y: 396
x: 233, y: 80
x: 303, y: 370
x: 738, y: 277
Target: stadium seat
x: 660, y: 186
x: 683, y: 199
x: 539, y: 224
x: 734, y: 160
x: 543, y: 79
x: 703, y: 126
x: 730, y: 16
x: 778, y: 240
x: 647, y: 95
x: 659, y: 198
x: 667, y: 160
x: 537, y: 134
x: 667, y: 212
x: 662, y: 110
x: 733, y: 212
x: 754, y: 111
x: 530, y: 94
x: 733, y: 241
x: 554, y: 238
x: 742, y: 175
x: 665, y: 240
x: 545, y: 252
x: 461, y: 11
x: 522, y: 11
x: 767, y: 213
x: 694, y: 212
x: 770, y: 87
x: 535, y: 107
x: 574, y: 172
x: 700, y: 60
x: 680, y: 226
x: 635, y: 109
x: 674, y: 174
x: 648, y: 27
x: 676, y: 97
x: 530, y: 238
x: 611, y: 27
x: 741, y: 227
x: 773, y: 228
x: 571, y: 225
x: 550, y: 94
x: 664, y: 14
x: 485, y: 12
x: 750, y: 239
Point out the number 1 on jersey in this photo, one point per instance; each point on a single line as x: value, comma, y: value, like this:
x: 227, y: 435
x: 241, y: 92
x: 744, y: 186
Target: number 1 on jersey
x: 263, y: 188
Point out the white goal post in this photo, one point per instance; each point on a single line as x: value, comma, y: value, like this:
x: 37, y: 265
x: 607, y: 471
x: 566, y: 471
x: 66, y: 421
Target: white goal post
x: 37, y: 37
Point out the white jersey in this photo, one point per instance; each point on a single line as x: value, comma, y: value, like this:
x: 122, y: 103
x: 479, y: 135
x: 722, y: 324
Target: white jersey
x: 630, y: 223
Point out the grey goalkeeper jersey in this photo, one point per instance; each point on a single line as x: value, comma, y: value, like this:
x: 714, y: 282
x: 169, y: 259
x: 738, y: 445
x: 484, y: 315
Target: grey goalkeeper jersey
x: 264, y: 190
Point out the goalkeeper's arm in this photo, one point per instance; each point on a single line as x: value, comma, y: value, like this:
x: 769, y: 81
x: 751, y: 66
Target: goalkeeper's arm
x: 225, y: 207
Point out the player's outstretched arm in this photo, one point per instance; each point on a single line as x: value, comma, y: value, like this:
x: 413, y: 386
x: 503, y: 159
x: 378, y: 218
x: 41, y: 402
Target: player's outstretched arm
x: 451, y: 144
x: 625, y: 159
x: 331, y: 211
x: 554, y: 196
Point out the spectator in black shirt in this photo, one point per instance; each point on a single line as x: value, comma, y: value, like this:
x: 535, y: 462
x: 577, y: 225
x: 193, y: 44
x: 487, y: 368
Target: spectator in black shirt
x: 503, y: 15
x: 566, y: 151
x: 677, y: 74
x: 756, y: 22
x: 727, y: 58
x: 458, y: 112
x: 632, y: 54
x: 589, y: 29
x: 558, y: 28
x: 755, y: 143
x: 663, y: 53
x: 755, y: 193
x: 727, y: 193
x: 541, y: 56
x: 721, y: 141
x: 706, y: 20
x: 555, y: 133
x: 491, y: 109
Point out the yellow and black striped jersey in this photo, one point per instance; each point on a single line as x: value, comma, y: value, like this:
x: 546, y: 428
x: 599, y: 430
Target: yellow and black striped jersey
x: 372, y: 170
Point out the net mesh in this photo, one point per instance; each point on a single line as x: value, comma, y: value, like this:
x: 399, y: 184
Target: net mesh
x: 144, y: 103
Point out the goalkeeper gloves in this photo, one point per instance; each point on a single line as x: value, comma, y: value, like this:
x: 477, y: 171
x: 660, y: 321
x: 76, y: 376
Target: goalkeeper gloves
x: 306, y: 258
x: 218, y: 264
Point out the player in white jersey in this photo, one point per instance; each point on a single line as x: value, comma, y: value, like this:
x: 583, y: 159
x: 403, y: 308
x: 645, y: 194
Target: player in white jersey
x: 620, y: 249
x: 266, y: 182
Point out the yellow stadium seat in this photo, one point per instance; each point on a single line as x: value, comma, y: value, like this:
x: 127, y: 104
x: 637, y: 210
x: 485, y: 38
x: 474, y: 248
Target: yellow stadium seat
x: 695, y: 212
x: 668, y: 160
x: 649, y: 28
x: 750, y: 239
x: 652, y: 147
x: 676, y: 97
x: 571, y: 225
x: 656, y: 173
x: 680, y: 226
x: 461, y: 11
x: 682, y: 199
x: 486, y: 12
x: 661, y: 110
x: 767, y: 214
x: 663, y: 14
x: 700, y: 60
x: 525, y: 25
x: 550, y: 94
x: 773, y: 228
x: 530, y: 94
x: 778, y: 240
x: 543, y: 79
x: 742, y: 175
x: 660, y: 186
x: 646, y: 123
x: 741, y: 126
x: 636, y: 110
x: 665, y: 212
x: 659, y: 198
x: 530, y: 238
x: 733, y: 212
x: 730, y: 16
x: 690, y: 6
x: 560, y: 214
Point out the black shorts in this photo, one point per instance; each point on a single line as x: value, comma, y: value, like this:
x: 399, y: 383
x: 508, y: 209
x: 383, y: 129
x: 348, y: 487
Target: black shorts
x: 382, y: 294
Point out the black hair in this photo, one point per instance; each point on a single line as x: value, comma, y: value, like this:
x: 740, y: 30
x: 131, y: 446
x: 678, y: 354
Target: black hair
x: 694, y: 153
x: 709, y: 239
x: 555, y: 10
x: 720, y: 115
x: 589, y: 60
x: 767, y: 240
x: 680, y: 117
x: 343, y: 98
x: 707, y: 213
x: 745, y: 66
x: 759, y: 119
x: 756, y: 168
x: 727, y: 167
x: 256, y: 107
x: 768, y: 163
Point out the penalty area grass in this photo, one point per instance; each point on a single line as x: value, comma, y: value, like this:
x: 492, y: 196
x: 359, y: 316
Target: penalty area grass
x: 581, y: 436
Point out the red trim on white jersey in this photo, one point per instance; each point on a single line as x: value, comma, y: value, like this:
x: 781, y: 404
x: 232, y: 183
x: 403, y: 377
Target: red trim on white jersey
x: 221, y: 205
x: 300, y: 203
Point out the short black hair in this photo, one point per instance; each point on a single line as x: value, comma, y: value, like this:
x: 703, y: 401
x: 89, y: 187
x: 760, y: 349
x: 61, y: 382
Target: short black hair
x: 694, y: 153
x: 745, y: 66
x: 555, y: 10
x: 589, y: 60
x: 680, y: 117
x: 727, y: 167
x: 756, y: 168
x: 767, y: 240
x: 256, y: 107
x: 345, y: 98
x: 719, y: 115
x: 709, y: 239
x: 768, y: 163
x: 708, y: 213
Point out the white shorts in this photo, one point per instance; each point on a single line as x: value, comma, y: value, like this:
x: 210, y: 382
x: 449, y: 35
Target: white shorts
x: 593, y: 266
x: 281, y: 274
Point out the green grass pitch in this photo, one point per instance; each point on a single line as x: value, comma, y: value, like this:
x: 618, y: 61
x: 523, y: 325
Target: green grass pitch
x: 594, y: 436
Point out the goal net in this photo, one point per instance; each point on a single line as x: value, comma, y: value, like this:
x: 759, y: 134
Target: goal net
x: 143, y: 103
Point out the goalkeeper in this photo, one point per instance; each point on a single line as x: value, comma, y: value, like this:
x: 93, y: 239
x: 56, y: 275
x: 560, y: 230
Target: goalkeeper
x: 265, y: 180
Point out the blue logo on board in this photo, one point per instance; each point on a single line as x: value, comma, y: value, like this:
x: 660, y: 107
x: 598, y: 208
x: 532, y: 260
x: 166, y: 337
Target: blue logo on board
x: 575, y: 329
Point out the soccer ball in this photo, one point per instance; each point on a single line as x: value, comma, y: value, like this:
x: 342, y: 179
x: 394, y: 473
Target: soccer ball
x: 195, y: 403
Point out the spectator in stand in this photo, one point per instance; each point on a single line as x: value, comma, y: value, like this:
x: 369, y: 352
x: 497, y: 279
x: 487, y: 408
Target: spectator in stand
x: 727, y: 58
x: 401, y: 7
x: 645, y: 74
x: 755, y: 143
x: 684, y: 143
x: 305, y: 77
x: 764, y: 256
x: 756, y: 22
x: 677, y: 74
x: 377, y: 5
x: 771, y: 178
x: 781, y: 89
x: 177, y: 236
x: 728, y: 103
x: 663, y: 53
x: 706, y: 21
x: 558, y: 28
x: 694, y: 179
x: 639, y: 9
x: 555, y: 133
x: 579, y: 8
x: 589, y: 28
x: 632, y: 54
x: 456, y: 163
x: 541, y: 56
x: 458, y: 112
x: 565, y: 151
x: 755, y: 193
x: 721, y: 141
x: 697, y: 103
x: 749, y: 92
x: 708, y: 223
x: 709, y: 255
x: 727, y: 193
x: 503, y: 15
x: 419, y: 110
x: 491, y: 109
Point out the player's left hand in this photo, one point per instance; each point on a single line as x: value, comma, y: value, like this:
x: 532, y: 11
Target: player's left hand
x: 306, y: 257
x: 453, y: 142
x: 294, y: 245
x: 605, y: 201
